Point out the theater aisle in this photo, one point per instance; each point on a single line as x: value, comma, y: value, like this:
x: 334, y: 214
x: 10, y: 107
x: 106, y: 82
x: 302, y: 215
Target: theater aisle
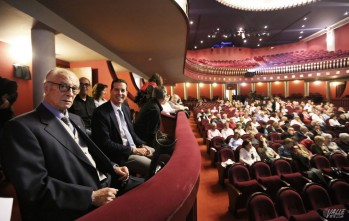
x: 212, y: 198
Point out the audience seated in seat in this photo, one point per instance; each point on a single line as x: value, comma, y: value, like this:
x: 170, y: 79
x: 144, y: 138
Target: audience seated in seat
x: 248, y: 153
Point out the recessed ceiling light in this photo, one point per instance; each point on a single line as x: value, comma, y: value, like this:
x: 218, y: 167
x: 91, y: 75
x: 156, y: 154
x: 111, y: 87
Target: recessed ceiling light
x: 217, y: 29
x: 346, y: 13
x: 266, y: 26
x: 150, y: 59
x: 301, y: 32
x: 201, y: 41
x: 305, y: 18
x: 260, y: 39
x: 300, y: 37
x: 303, y: 26
x: 191, y: 22
x: 195, y: 47
x: 209, y: 36
x: 245, y: 41
x: 258, y: 45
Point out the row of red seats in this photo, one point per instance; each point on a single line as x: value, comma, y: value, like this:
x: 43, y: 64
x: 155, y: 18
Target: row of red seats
x: 242, y: 186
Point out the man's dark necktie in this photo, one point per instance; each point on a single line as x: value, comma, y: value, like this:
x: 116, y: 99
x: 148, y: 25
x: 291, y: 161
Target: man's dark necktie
x: 67, y: 122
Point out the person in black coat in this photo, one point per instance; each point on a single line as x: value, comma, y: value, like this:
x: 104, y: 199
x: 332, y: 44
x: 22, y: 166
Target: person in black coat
x: 8, y: 94
x: 148, y: 119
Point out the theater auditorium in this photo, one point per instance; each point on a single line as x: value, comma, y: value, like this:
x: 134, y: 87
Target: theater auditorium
x: 256, y: 107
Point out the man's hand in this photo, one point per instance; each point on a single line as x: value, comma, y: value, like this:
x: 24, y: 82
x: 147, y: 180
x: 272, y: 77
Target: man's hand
x: 103, y: 196
x: 122, y: 172
x: 142, y: 151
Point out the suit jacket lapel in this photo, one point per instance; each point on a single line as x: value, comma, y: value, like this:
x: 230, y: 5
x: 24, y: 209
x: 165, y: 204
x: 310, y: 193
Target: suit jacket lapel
x: 113, y: 118
x: 127, y: 118
x: 57, y: 130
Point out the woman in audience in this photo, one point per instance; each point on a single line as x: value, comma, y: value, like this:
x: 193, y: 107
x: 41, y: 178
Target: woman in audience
x: 318, y: 147
x: 98, y: 93
x: 285, y: 151
x: 342, y: 119
x: 248, y: 153
x: 297, y: 120
x: 344, y: 142
x: 166, y: 107
x: 332, y: 146
x: 251, y: 130
x: 266, y: 153
x: 334, y: 121
x: 235, y: 141
x: 254, y: 122
x: 213, y: 132
x: 226, y: 131
x: 239, y: 129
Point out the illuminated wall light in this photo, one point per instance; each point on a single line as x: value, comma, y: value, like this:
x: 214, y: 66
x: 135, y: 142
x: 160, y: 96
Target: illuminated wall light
x: 214, y: 84
x: 293, y: 76
x: 187, y: 84
x: 317, y: 82
x: 21, y: 53
x: 278, y: 77
x: 318, y: 74
x: 265, y: 78
x: 309, y: 75
x: 334, y: 84
x: 259, y: 83
x: 301, y: 75
x: 277, y: 82
x: 201, y: 84
x: 243, y: 84
x: 338, y: 72
x: 328, y: 73
x: 296, y: 81
x: 285, y: 77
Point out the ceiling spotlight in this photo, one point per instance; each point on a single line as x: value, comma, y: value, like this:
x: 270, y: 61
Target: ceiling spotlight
x: 245, y: 41
x: 305, y: 18
x: 260, y: 39
x: 303, y: 26
x: 300, y: 37
x: 191, y: 22
x: 266, y: 27
x: 209, y: 36
x: 201, y: 42
x: 217, y: 29
x: 243, y: 35
x: 195, y: 47
x: 301, y: 32
x: 258, y: 45
x: 346, y: 13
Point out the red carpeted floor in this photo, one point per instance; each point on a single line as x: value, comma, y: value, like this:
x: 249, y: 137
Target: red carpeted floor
x: 212, y: 197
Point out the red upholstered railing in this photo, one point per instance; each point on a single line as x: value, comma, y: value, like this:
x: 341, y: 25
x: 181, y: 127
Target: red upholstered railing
x: 170, y: 194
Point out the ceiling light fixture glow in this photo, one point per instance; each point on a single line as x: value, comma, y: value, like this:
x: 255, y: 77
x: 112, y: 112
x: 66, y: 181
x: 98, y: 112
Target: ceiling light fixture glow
x: 264, y: 5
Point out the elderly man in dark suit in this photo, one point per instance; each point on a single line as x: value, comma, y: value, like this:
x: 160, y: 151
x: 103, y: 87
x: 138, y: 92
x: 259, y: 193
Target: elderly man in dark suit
x: 113, y: 132
x: 57, y: 171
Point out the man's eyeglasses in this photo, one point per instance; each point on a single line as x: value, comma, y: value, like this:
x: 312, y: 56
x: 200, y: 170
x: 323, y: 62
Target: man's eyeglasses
x: 65, y: 88
x: 84, y: 85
